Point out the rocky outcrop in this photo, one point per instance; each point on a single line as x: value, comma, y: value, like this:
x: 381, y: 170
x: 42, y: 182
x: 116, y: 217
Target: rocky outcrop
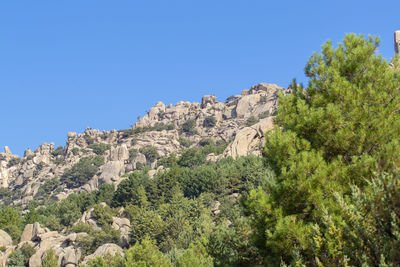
x: 42, y: 239
x: 109, y: 248
x: 160, y: 128
x: 5, y: 239
x: 208, y: 100
x: 247, y: 139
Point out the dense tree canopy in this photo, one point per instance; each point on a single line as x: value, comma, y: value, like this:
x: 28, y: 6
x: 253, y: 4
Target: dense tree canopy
x: 333, y: 143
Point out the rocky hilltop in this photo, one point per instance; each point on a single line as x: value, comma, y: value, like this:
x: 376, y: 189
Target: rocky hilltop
x: 88, y: 160
x: 238, y: 123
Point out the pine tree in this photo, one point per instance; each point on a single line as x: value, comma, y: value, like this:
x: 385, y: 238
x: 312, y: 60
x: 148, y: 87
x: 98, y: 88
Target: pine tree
x: 332, y: 136
x: 50, y: 260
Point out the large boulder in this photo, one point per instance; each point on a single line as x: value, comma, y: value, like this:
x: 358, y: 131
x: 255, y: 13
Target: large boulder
x: 5, y: 239
x: 248, y: 139
x: 27, y: 234
x: 108, y: 248
x: 208, y: 100
x: 4, y: 255
x: 111, y: 172
x: 246, y: 104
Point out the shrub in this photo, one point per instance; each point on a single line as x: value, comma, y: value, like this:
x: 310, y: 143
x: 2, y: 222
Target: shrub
x: 128, y: 132
x: 100, y: 148
x: 89, y: 140
x: 13, y: 162
x: 230, y: 98
x: 251, y: 121
x: 82, y: 171
x: 150, y: 153
x: 146, y: 253
x: 133, y: 141
x: 48, y: 187
x: 16, y: 259
x: 75, y: 151
x: 264, y: 114
x: 133, y: 153
x: 140, y: 166
x: 11, y: 221
x: 58, y: 152
x: 191, y: 158
x: 96, y: 238
x: 184, y: 142
x: 209, y: 122
x: 206, y: 141
x: 50, y: 260
x: 189, y: 126
x: 27, y: 250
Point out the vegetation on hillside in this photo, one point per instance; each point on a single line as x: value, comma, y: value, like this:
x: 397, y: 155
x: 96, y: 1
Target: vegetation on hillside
x: 325, y: 193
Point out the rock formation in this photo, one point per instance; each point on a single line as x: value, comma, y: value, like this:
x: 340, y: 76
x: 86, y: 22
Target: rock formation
x: 160, y: 128
x: 240, y: 122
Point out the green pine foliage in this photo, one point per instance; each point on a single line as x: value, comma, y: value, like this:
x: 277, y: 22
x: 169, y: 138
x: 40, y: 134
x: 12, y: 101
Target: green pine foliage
x: 82, y: 171
x: 50, y: 260
x: 99, y: 148
x: 16, y: 259
x: 189, y: 127
x: 335, y: 151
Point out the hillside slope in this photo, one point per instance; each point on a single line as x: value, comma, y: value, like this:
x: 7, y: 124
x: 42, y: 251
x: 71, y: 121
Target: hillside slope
x: 238, y: 124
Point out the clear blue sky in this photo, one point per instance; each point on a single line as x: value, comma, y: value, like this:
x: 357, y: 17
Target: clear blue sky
x: 67, y: 65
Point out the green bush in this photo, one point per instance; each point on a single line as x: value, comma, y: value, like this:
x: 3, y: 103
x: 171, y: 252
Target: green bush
x: 145, y: 253
x: 16, y: 259
x: 150, y: 153
x: 96, y: 238
x: 251, y: 121
x: 100, y: 148
x: 13, y: 162
x: 264, y: 115
x: 82, y: 171
x: 28, y: 251
x: 11, y: 221
x: 50, y: 260
x: 58, y: 152
x: 128, y: 132
x: 191, y: 157
x: 133, y: 153
x: 6, y: 196
x: 209, y: 122
x: 48, y: 187
x: 206, y: 142
x: 89, y: 140
x: 189, y: 127
x: 230, y: 98
x: 184, y: 142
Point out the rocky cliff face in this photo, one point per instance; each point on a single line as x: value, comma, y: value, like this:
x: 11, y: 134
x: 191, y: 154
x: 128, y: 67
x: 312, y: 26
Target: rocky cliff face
x: 239, y: 122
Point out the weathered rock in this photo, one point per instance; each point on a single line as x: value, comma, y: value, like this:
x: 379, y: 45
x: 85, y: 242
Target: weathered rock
x: 247, y: 139
x: 27, y: 234
x: 71, y: 135
x: 4, y: 255
x: 112, y: 171
x: 30, y: 174
x: 28, y: 152
x: 71, y: 257
x: 246, y: 104
x: 208, y: 100
x: 7, y: 151
x: 5, y: 239
x: 108, y: 248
